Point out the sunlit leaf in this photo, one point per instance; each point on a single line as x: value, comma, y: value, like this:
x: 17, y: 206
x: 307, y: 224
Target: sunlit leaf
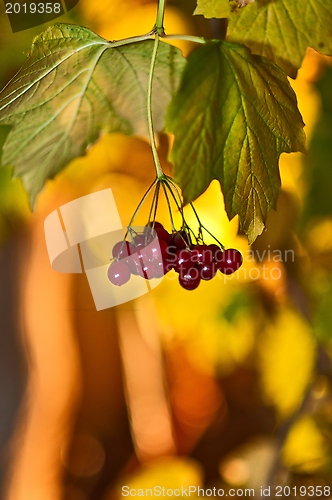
x: 322, y: 318
x: 287, y: 352
x: 278, y: 29
x: 162, y: 476
x: 233, y: 116
x: 318, y: 160
x: 73, y: 86
x: 305, y: 449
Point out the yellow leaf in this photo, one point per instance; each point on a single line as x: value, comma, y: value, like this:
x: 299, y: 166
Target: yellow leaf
x: 287, y: 355
x: 305, y: 449
x: 168, y: 473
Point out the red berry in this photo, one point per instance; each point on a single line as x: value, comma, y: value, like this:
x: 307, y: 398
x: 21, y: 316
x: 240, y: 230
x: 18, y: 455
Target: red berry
x: 216, y: 252
x: 230, y: 262
x: 147, y: 271
x: 122, y: 249
x: 140, y: 240
x: 158, y: 269
x: 202, y: 254
x: 218, y: 257
x: 135, y: 260
x: 183, y: 261
x: 181, y: 239
x: 163, y: 249
x: 190, y: 279
x: 163, y: 235
x: 168, y: 265
x: 155, y: 225
x: 156, y: 250
x: 208, y: 271
x: 118, y: 273
x: 149, y: 234
x: 171, y: 257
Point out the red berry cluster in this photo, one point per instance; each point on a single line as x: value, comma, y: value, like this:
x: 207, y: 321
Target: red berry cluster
x: 193, y: 262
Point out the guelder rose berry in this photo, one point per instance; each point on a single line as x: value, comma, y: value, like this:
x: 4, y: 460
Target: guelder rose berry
x: 230, y: 261
x: 208, y: 271
x: 190, y: 279
x: 183, y: 260
x: 155, y: 252
x: 122, y: 249
x: 118, y: 273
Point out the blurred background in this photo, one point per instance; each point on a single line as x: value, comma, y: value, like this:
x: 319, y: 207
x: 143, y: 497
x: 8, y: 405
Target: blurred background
x: 227, y: 386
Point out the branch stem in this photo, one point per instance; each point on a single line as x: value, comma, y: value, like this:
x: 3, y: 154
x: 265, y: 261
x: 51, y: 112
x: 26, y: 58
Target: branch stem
x: 169, y: 207
x: 188, y: 38
x: 159, y: 171
x: 160, y: 18
x: 132, y: 39
x: 144, y: 197
x: 201, y: 226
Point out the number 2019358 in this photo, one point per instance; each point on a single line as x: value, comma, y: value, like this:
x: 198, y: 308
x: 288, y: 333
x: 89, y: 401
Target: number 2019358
x: 33, y: 8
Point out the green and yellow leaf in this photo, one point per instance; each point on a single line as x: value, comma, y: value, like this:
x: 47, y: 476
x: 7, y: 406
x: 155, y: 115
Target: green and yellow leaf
x: 232, y: 117
x: 73, y: 87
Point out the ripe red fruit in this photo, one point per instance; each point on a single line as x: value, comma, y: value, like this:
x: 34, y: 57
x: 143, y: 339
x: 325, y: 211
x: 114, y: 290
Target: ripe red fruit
x: 230, y: 262
x: 156, y: 250
x: 163, y: 235
x: 181, y: 239
x: 140, y: 240
x: 118, y: 273
x: 202, y: 254
x: 155, y: 225
x: 122, y: 249
x: 190, y: 279
x: 149, y: 234
x: 208, y: 271
x: 158, y: 269
x: 183, y: 261
x: 216, y: 252
x: 169, y: 264
x: 135, y: 261
x: 146, y: 270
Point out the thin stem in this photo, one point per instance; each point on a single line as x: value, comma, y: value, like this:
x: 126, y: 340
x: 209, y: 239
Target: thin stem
x: 170, y: 181
x: 159, y: 170
x: 176, y: 203
x: 152, y: 205
x: 169, y: 207
x: 167, y: 181
x: 149, y: 36
x: 132, y: 39
x: 201, y: 226
x: 160, y: 17
x: 146, y: 194
x: 188, y: 38
x: 156, y: 204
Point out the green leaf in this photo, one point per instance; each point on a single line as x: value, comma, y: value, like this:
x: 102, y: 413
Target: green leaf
x: 278, y: 29
x: 318, y: 160
x: 233, y: 116
x: 73, y: 86
x: 322, y: 316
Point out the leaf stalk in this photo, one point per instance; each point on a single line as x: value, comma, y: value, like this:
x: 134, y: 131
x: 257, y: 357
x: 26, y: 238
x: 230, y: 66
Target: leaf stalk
x: 159, y: 27
x: 159, y: 170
